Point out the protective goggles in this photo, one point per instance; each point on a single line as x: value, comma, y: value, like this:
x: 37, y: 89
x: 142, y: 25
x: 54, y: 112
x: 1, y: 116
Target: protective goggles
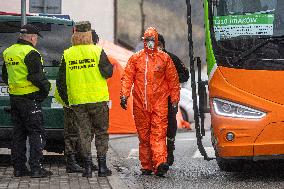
x: 149, y: 39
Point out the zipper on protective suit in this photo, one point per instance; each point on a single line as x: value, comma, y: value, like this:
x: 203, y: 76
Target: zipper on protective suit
x: 145, y: 81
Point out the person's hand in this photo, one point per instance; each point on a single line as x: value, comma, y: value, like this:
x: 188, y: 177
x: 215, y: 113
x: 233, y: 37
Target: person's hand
x: 41, y: 96
x: 175, y: 107
x: 123, y: 102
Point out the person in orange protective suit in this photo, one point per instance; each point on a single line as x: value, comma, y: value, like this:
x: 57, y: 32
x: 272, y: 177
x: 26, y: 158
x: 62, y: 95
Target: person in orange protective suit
x: 155, y: 78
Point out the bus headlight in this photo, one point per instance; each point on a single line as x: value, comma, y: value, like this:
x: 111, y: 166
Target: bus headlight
x: 231, y: 109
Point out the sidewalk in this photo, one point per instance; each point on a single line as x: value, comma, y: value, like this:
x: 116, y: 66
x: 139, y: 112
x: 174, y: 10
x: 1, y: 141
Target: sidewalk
x: 60, y: 179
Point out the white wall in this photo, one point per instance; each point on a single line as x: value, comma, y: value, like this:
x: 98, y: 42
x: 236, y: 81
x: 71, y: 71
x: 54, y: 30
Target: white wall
x: 12, y: 6
x: 99, y: 12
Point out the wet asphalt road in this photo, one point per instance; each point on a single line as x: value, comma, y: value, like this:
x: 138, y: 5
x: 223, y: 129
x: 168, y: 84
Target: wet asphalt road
x: 190, y: 170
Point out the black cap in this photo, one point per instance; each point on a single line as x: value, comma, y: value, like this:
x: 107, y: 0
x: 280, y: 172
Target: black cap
x: 30, y: 29
x: 161, y: 39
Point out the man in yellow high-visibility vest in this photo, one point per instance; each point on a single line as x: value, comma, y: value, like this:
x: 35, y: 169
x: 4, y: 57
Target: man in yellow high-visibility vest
x: 73, y: 159
x: 82, y: 86
x: 28, y: 87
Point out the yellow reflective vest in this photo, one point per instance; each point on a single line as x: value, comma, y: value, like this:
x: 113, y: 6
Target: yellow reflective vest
x: 14, y: 57
x: 57, y: 97
x: 84, y: 82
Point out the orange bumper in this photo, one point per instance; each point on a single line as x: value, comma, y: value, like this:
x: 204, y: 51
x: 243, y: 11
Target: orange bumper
x: 253, y: 138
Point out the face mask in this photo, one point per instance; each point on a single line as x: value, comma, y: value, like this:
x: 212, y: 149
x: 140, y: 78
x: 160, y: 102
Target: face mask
x: 150, y: 44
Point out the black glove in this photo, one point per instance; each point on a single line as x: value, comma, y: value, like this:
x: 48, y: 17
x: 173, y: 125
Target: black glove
x: 43, y: 92
x: 123, y: 102
x: 175, y: 108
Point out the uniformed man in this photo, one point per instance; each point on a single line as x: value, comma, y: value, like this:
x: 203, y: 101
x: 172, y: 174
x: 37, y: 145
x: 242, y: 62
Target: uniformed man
x: 183, y: 75
x: 72, y: 147
x: 28, y: 87
x: 82, y: 86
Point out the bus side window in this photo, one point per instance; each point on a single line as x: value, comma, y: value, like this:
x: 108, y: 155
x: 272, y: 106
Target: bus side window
x: 279, y: 15
x: 251, y: 6
x: 222, y: 9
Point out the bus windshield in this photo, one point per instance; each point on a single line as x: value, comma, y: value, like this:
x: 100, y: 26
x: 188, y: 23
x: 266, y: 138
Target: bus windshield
x: 240, y: 25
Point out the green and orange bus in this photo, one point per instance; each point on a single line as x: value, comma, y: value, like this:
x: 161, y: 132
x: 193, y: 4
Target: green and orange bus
x: 245, y: 59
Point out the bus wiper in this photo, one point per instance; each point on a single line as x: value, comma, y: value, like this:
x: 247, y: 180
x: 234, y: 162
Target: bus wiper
x: 256, y: 47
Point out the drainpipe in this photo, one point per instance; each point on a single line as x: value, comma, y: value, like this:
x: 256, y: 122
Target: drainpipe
x: 115, y: 22
x: 44, y: 7
x: 23, y: 13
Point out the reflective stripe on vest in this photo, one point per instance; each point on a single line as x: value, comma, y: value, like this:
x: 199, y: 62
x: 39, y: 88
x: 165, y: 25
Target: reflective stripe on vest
x: 85, y: 84
x: 14, y: 57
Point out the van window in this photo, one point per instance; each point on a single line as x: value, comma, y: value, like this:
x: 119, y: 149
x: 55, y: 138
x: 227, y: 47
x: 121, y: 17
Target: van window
x: 56, y: 38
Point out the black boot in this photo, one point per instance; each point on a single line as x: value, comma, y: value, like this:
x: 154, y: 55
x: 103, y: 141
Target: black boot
x: 72, y: 165
x: 146, y: 172
x: 94, y: 167
x: 162, y: 169
x: 88, y: 167
x: 170, y: 149
x: 40, y: 172
x: 103, y: 170
x: 81, y: 164
x: 21, y: 171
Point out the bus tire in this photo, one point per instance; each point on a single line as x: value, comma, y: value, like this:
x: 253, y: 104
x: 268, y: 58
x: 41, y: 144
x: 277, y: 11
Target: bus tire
x: 229, y: 165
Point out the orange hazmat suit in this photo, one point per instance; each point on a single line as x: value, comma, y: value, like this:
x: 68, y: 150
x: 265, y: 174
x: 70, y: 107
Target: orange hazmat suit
x: 155, y: 79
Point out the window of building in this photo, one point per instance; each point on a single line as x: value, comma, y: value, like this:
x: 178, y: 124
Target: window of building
x: 45, y: 6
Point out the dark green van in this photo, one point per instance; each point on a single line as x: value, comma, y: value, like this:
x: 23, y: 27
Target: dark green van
x: 56, y: 34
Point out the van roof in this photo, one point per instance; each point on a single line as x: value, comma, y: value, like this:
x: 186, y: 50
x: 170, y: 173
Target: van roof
x: 40, y: 19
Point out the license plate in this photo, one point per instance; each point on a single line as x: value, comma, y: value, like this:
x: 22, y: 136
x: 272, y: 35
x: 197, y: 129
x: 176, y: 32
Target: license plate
x: 4, y: 91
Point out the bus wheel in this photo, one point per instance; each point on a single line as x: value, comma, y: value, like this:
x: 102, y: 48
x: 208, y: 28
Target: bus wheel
x: 229, y: 165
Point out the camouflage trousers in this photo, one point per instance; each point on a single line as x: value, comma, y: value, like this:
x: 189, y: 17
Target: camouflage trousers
x: 92, y: 120
x: 70, y: 132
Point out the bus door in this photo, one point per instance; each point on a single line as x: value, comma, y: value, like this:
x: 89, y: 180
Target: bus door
x: 199, y: 98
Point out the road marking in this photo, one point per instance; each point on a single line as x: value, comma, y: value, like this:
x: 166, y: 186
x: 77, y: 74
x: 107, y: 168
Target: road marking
x: 210, y: 152
x: 186, y: 139
x: 5, y: 151
x: 133, y: 154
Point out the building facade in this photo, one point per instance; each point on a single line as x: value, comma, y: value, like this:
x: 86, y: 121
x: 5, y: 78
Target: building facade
x: 100, y: 13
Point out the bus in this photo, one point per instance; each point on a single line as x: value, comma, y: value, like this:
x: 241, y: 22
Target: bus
x: 245, y: 61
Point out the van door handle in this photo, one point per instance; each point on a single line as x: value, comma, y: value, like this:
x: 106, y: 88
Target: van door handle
x: 7, y: 109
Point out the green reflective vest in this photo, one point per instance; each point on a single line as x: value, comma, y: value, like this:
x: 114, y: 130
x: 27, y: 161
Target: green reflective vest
x: 14, y: 57
x: 84, y: 82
